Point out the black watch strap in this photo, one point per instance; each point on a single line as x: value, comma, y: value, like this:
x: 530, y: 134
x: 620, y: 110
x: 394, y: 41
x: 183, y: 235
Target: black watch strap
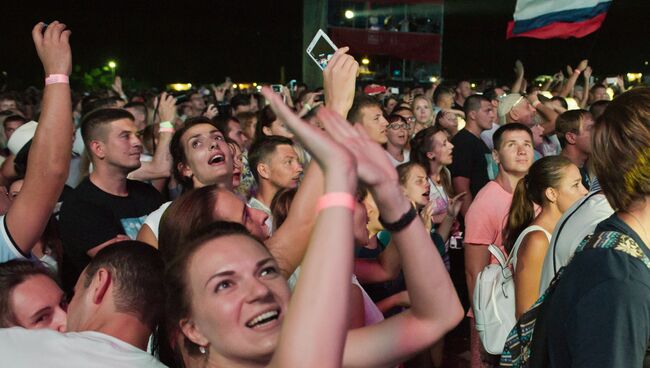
x: 400, y: 224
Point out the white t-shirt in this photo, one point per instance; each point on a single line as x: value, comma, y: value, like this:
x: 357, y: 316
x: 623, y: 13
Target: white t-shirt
x: 371, y: 311
x: 47, y: 348
x: 407, y: 157
x: 153, y: 220
x: 8, y: 249
x: 575, y: 224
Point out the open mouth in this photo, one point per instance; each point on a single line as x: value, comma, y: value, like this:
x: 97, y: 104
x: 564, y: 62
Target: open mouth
x: 263, y: 319
x: 216, y: 159
x: 426, y: 194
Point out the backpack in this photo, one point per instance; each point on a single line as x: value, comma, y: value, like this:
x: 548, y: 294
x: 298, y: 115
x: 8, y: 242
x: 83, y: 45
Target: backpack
x: 494, y: 297
x: 494, y: 302
x: 524, y: 338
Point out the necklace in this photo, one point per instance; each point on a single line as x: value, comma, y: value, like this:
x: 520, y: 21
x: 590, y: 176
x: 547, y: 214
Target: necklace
x: 645, y: 234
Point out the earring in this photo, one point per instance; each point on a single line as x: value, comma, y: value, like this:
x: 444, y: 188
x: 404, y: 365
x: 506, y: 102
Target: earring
x: 202, y: 349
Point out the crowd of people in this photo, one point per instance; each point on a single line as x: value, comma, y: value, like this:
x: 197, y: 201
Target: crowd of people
x: 324, y: 227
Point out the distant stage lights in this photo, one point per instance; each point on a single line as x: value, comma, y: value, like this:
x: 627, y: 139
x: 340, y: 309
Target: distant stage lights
x: 349, y: 14
x: 180, y: 86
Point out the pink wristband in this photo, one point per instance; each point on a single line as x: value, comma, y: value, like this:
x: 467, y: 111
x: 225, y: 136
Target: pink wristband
x: 537, y: 103
x: 166, y: 130
x: 57, y: 78
x: 336, y: 199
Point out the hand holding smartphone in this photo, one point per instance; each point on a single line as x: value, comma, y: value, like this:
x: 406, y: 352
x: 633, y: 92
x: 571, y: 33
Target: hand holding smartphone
x: 321, y: 49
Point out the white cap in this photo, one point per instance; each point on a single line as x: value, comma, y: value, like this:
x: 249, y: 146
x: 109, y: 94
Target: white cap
x: 21, y: 136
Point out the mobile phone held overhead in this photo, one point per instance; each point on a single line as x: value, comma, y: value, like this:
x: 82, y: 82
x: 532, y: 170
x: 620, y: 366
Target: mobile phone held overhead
x: 321, y: 49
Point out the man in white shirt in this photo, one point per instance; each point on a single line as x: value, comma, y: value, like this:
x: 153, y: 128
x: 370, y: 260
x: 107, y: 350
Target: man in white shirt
x: 575, y: 224
x: 117, y: 304
x: 22, y: 225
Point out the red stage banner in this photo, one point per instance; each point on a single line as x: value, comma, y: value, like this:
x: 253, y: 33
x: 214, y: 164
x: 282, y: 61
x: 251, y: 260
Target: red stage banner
x: 402, y: 45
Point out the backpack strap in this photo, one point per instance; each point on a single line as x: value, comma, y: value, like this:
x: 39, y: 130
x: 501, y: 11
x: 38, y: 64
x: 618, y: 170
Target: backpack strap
x: 498, y: 254
x: 520, y: 238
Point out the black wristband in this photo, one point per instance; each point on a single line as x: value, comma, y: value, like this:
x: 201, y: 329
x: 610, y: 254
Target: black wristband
x: 400, y: 224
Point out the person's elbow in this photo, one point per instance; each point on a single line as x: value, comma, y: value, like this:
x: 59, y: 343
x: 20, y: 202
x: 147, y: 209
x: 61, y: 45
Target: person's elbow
x: 456, y: 314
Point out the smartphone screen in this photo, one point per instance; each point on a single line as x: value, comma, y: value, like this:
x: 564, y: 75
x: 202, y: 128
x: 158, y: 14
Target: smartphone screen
x: 321, y: 49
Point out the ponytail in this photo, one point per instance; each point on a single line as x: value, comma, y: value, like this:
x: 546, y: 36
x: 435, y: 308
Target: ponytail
x: 522, y: 213
x: 544, y: 173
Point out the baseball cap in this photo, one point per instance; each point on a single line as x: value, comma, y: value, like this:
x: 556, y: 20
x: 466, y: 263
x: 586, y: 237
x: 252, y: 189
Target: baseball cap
x: 22, y: 135
x: 374, y: 89
x: 506, y: 103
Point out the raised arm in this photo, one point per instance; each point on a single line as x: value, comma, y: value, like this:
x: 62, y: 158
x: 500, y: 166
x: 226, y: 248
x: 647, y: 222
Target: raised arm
x: 288, y: 243
x: 329, y: 253
x: 519, y: 78
x: 435, y: 307
x: 339, y: 79
x: 161, y: 164
x: 50, y: 153
x: 571, y: 82
x: 585, y: 89
x: 548, y: 114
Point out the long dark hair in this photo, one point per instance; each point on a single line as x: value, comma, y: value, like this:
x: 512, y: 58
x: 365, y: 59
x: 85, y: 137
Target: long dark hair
x: 421, y: 145
x: 178, y: 151
x: 544, y: 173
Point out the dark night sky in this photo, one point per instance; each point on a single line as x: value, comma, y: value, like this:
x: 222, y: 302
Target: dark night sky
x: 198, y: 40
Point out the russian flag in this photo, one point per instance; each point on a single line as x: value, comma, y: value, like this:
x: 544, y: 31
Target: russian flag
x: 557, y: 18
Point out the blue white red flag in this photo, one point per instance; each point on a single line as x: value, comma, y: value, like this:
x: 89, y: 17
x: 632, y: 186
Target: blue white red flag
x: 557, y: 18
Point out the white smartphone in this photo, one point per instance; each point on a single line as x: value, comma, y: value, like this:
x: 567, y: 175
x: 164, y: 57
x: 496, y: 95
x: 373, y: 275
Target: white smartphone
x: 321, y: 49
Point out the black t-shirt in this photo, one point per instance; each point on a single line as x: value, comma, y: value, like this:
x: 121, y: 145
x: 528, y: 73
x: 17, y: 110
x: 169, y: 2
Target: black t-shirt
x: 470, y: 160
x: 90, y: 217
x: 584, y: 174
x: 599, y: 314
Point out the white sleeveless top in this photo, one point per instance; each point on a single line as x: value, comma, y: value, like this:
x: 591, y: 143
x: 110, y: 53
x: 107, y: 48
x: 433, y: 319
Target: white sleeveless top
x: 520, y: 238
